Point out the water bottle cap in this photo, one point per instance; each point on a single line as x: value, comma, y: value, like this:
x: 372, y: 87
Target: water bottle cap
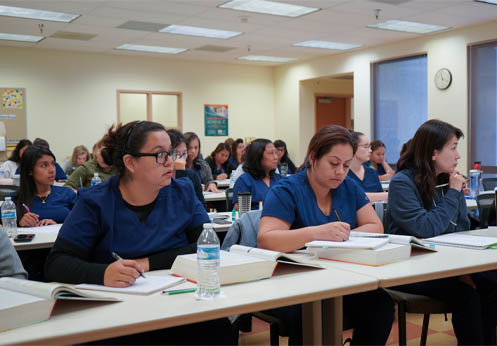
x: 8, y: 198
x: 95, y: 174
x: 208, y: 225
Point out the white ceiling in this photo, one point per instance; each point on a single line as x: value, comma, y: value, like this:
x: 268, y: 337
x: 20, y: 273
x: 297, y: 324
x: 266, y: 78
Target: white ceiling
x: 338, y: 20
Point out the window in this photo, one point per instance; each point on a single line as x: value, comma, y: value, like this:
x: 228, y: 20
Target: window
x: 483, y: 106
x: 161, y: 107
x: 400, y: 101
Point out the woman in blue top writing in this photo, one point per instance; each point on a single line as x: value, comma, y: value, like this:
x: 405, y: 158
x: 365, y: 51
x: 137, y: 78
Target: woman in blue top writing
x: 218, y: 162
x: 320, y: 202
x: 261, y: 160
x: 425, y: 200
x: 144, y: 216
x: 366, y: 177
x: 38, y: 201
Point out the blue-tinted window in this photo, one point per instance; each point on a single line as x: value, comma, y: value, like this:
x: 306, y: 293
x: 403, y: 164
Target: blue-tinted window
x: 483, y: 104
x: 400, y: 102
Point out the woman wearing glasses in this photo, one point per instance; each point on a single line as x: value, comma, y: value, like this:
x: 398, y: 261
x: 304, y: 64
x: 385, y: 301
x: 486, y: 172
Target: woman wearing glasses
x: 366, y: 177
x: 425, y: 200
x: 143, y: 215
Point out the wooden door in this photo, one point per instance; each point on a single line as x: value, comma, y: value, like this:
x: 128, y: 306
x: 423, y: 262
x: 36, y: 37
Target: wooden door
x: 331, y: 110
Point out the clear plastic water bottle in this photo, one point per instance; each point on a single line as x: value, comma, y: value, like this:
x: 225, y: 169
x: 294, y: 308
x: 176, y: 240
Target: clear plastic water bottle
x: 9, y: 217
x: 232, y: 179
x: 95, y: 180
x: 208, y: 261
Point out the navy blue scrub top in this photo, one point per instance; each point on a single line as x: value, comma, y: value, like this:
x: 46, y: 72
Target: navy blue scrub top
x: 379, y: 171
x: 371, y: 182
x: 293, y: 201
x: 257, y: 188
x: 102, y: 223
x: 57, y: 206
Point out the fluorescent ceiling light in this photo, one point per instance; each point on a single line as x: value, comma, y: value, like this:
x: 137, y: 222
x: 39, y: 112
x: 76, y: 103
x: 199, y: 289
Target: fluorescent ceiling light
x: 23, y: 38
x: 412, y: 27
x: 326, y: 45
x: 493, y: 2
x: 196, y: 31
x: 266, y: 58
x: 151, y: 49
x: 269, y: 7
x: 30, y: 13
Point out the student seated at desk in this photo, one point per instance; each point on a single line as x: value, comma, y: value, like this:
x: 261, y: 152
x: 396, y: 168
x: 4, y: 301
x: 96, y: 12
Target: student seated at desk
x: 38, y: 201
x: 366, y: 177
x: 143, y: 215
x: 11, y: 166
x: 10, y: 264
x: 425, y: 200
x: 237, y: 152
x: 197, y: 164
x: 80, y: 155
x: 82, y: 176
x: 218, y: 162
x: 320, y: 202
x: 283, y: 156
x: 260, y: 164
x: 178, y: 144
x: 378, y: 162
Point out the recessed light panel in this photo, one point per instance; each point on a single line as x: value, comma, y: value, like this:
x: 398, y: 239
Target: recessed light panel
x: 29, y: 13
x: 197, y: 31
x: 404, y: 26
x: 22, y: 38
x: 493, y: 2
x: 269, y: 7
x: 266, y: 58
x: 326, y: 45
x: 151, y: 49
x: 143, y: 26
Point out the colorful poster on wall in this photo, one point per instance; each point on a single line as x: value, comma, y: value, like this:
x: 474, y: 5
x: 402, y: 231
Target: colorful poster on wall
x: 216, y: 120
x: 13, y: 98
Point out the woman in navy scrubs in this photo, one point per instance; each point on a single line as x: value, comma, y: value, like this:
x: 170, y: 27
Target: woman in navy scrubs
x: 261, y: 160
x: 143, y: 215
x: 219, y: 162
x: 47, y: 204
x: 425, y: 200
x: 378, y: 161
x: 366, y: 177
x: 320, y: 202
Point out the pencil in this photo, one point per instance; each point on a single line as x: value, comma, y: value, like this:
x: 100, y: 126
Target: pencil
x: 117, y: 257
x: 338, y: 216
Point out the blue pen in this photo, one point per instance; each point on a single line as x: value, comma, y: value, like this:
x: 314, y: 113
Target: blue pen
x: 182, y: 155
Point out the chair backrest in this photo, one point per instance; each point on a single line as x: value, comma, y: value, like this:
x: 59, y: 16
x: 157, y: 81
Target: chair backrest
x: 486, y: 208
x: 381, y: 210
x: 489, y: 183
x: 229, y: 199
x: 244, y: 230
x: 7, y: 190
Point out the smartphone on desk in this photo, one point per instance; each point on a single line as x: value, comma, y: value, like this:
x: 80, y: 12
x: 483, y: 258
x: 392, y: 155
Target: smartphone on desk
x: 24, y: 238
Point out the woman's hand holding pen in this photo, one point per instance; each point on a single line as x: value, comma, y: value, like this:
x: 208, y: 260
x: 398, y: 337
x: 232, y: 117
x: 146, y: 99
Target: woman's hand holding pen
x: 333, y: 231
x: 457, y: 181
x: 29, y: 220
x: 122, y: 273
x: 180, y: 162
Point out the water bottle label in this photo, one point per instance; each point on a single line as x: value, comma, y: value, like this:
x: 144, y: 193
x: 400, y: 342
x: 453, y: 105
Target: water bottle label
x: 9, y: 214
x: 208, y: 253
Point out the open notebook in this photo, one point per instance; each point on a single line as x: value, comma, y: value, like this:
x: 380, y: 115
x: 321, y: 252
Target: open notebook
x: 141, y: 286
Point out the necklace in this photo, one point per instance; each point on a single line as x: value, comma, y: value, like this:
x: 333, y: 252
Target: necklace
x: 43, y: 199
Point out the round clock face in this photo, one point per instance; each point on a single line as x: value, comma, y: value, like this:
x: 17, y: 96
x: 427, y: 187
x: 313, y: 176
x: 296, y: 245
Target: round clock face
x: 443, y: 78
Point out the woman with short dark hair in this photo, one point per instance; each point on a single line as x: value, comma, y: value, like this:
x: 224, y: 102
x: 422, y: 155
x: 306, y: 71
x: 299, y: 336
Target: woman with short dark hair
x: 218, y: 162
x: 260, y: 165
x: 378, y: 161
x: 283, y: 156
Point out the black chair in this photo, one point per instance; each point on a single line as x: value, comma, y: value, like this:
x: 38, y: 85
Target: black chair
x: 229, y: 199
x: 7, y: 190
x: 486, y: 208
x: 489, y: 183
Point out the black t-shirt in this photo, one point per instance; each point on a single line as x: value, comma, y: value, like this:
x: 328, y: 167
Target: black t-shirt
x: 142, y: 211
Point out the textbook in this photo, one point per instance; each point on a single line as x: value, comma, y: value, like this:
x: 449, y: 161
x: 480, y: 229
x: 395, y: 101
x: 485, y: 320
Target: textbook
x: 243, y: 263
x: 24, y: 302
x: 464, y: 241
x: 142, y: 286
x: 393, y: 249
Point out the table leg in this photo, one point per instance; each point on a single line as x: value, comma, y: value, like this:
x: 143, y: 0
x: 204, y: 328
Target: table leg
x: 322, y: 322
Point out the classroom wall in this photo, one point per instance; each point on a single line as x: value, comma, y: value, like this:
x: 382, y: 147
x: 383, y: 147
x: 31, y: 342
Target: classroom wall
x: 71, y: 96
x: 448, y: 49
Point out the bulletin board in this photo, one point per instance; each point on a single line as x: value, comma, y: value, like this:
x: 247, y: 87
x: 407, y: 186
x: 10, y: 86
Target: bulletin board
x: 12, y: 119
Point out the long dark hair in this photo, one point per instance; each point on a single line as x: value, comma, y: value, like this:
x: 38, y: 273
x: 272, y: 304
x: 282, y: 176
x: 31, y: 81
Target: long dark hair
x: 234, y: 147
x: 431, y: 136
x: 253, y: 158
x: 325, y: 139
x: 189, y: 137
x: 278, y: 144
x: 176, y: 137
x: 126, y: 139
x: 15, y: 154
x: 27, y: 189
x: 220, y: 147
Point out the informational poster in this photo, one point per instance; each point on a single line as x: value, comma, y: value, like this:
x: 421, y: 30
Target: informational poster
x: 216, y: 120
x: 13, y: 98
x: 12, y: 119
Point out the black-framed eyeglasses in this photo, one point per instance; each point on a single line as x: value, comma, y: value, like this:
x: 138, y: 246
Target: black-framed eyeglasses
x: 160, y: 157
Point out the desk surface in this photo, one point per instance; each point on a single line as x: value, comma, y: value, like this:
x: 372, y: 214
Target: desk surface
x: 215, y: 196
x: 77, y: 322
x: 423, y: 266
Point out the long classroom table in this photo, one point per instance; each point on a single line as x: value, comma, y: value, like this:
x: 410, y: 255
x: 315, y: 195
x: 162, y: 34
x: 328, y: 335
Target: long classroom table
x: 316, y: 289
